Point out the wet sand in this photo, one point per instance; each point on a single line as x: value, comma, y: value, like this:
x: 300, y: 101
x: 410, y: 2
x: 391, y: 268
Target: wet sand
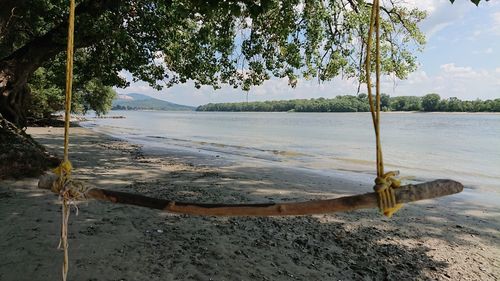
x: 452, y: 238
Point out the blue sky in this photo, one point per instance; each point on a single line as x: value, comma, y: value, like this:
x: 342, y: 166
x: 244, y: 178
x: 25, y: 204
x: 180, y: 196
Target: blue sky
x: 461, y: 59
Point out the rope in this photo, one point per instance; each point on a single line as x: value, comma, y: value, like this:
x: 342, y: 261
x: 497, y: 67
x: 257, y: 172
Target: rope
x: 70, y: 190
x: 385, y: 182
x: 65, y: 187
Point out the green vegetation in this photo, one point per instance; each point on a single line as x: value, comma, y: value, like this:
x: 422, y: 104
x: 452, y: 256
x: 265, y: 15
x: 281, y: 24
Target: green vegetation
x: 142, y: 102
x: 47, y: 95
x: 348, y: 103
x: 240, y: 43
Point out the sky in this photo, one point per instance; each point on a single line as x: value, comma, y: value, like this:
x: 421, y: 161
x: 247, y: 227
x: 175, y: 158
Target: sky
x: 461, y: 59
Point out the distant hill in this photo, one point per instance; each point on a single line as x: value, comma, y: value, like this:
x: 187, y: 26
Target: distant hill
x: 135, y: 101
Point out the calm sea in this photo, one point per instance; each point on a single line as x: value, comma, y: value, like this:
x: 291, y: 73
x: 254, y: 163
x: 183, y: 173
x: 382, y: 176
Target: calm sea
x: 421, y: 146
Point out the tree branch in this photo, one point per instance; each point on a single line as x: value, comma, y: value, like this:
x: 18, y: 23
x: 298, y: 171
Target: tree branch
x: 404, y: 194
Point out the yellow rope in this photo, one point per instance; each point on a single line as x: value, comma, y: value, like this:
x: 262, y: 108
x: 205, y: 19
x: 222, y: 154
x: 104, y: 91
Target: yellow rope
x: 385, y: 182
x: 66, y: 193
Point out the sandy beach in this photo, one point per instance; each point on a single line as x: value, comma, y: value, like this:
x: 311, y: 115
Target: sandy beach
x: 453, y: 238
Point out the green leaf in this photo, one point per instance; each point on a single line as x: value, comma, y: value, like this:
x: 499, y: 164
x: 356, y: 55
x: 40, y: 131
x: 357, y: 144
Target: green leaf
x: 165, y: 43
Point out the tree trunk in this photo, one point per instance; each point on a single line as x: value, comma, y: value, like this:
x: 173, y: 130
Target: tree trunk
x: 13, y: 93
x: 16, y: 69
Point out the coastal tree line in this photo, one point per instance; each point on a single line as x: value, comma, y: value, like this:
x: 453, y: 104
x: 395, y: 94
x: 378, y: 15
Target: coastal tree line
x: 351, y: 103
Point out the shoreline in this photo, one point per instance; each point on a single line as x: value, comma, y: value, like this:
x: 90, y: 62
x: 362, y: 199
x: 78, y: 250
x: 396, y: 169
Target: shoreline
x: 231, y: 154
x: 358, y: 181
x: 350, y: 112
x: 437, y: 239
x: 109, y: 115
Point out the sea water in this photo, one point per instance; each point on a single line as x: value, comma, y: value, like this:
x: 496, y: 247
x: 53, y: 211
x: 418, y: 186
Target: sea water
x: 422, y: 146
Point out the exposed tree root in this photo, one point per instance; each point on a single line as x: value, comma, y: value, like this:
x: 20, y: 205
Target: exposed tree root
x: 20, y: 155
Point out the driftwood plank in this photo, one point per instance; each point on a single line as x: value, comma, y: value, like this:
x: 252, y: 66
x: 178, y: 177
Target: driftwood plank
x: 404, y: 194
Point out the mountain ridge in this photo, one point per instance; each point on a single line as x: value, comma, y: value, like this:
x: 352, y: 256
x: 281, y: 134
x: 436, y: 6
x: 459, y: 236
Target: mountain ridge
x: 137, y: 101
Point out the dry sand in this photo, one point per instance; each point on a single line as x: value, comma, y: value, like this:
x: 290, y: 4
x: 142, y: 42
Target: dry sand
x: 447, y: 239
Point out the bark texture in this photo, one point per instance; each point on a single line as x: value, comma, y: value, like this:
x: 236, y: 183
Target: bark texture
x: 404, y: 194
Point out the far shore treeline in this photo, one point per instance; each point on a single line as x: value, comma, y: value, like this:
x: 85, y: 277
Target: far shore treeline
x: 359, y: 103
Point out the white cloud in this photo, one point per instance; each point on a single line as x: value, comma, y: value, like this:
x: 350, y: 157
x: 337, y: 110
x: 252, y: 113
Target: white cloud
x: 453, y: 81
x: 486, y: 51
x: 138, y: 87
x: 440, y: 14
x: 417, y: 78
x: 428, y: 5
x: 450, y: 69
x: 495, y: 17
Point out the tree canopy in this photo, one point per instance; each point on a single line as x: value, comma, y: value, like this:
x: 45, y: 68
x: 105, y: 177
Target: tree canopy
x: 241, y: 43
x: 47, y: 94
x: 238, y: 42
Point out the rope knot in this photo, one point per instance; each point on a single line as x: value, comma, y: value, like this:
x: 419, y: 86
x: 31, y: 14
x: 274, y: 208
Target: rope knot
x: 384, y: 186
x: 69, y: 192
x: 64, y: 168
x: 67, y: 188
x: 63, y: 171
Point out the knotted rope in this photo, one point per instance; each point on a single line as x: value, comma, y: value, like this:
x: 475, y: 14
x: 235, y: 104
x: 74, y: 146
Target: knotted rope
x: 70, y: 190
x: 67, y: 190
x: 385, y: 182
